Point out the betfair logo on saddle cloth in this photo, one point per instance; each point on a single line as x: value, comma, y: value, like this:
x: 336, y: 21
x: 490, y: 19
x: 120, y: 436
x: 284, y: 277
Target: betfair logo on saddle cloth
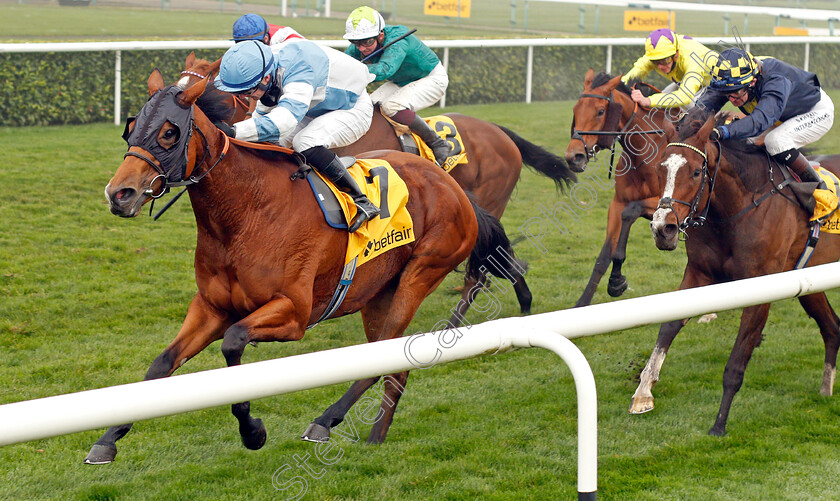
x: 445, y: 128
x: 827, y: 202
x: 393, y: 227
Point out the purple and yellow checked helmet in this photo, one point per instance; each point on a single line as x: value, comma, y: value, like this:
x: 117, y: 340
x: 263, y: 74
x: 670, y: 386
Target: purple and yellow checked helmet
x: 660, y: 44
x: 734, y: 70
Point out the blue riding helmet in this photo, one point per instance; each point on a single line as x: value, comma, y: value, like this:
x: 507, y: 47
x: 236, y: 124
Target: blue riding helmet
x: 243, y: 66
x: 250, y: 27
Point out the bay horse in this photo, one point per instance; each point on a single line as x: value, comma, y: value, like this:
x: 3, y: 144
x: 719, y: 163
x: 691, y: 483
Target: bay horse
x: 604, y: 114
x: 495, y: 156
x: 266, y: 261
x: 740, y: 219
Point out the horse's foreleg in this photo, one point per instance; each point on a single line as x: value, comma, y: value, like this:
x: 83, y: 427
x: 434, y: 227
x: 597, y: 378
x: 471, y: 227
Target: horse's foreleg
x: 202, y: 326
x: 618, y: 282
x: 319, y: 428
x: 643, y: 398
x: 274, y: 321
x: 818, y: 307
x: 749, y: 337
x: 604, y: 258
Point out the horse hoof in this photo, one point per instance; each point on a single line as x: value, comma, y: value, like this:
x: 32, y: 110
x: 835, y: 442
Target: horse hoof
x: 316, y: 433
x: 101, y: 454
x: 254, y: 438
x: 707, y: 318
x: 716, y: 432
x: 617, y: 286
x: 640, y: 405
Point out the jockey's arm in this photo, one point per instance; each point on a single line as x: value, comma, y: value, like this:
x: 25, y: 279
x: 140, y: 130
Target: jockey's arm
x: 390, y: 61
x: 640, y: 70
x: 774, y: 96
x: 683, y: 96
x: 271, y: 124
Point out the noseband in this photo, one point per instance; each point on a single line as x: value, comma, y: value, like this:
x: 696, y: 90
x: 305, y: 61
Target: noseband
x: 692, y: 221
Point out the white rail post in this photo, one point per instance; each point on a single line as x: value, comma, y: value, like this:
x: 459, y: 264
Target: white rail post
x: 117, y: 85
x: 807, y: 56
x: 529, y: 73
x: 609, y: 59
x: 446, y: 67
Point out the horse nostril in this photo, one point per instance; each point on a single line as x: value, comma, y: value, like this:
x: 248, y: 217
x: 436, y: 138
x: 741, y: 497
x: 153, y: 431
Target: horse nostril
x: 669, y: 230
x: 123, y: 196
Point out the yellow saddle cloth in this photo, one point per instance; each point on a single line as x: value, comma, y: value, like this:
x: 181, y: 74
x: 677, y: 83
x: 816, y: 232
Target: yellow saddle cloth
x: 385, y: 189
x: 445, y: 128
x: 827, y: 201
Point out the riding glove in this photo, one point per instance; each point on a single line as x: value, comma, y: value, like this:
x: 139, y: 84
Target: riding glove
x: 718, y: 133
x: 229, y: 130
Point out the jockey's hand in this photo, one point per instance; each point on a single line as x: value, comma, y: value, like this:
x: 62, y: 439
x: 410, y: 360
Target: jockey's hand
x: 227, y: 129
x: 637, y: 96
x: 718, y: 133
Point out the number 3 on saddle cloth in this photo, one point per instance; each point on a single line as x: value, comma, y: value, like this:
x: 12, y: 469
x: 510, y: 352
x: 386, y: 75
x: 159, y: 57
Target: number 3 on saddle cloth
x: 445, y: 128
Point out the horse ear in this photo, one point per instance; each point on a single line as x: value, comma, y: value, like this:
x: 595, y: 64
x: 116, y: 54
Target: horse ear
x: 155, y: 81
x: 612, y: 84
x: 190, y: 61
x: 215, y: 66
x: 706, y: 130
x: 189, y: 95
x: 587, y: 81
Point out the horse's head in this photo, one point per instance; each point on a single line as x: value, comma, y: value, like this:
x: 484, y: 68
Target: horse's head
x: 684, y: 175
x: 197, y: 69
x: 595, y: 112
x: 218, y: 105
x: 159, y: 152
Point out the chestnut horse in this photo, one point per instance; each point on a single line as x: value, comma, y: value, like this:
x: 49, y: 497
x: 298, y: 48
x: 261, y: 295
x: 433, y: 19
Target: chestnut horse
x: 495, y: 156
x: 267, y: 263
x: 727, y: 198
x: 604, y: 114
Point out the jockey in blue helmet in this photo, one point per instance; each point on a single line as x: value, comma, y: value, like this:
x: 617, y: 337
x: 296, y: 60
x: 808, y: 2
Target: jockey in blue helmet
x: 255, y: 27
x: 783, y: 101
x: 312, y: 98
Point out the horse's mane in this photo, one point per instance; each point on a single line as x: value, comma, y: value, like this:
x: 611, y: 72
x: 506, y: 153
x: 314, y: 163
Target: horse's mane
x: 743, y: 156
x: 214, y: 104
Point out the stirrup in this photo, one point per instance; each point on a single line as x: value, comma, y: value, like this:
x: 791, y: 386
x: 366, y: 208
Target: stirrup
x: 364, y: 212
x: 441, y: 162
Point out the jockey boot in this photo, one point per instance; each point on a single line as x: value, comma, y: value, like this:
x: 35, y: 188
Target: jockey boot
x: 801, y: 166
x: 328, y: 164
x: 440, y: 148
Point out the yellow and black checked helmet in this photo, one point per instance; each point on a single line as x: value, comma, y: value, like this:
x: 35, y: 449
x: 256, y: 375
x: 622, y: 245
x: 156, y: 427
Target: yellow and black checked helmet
x: 734, y: 69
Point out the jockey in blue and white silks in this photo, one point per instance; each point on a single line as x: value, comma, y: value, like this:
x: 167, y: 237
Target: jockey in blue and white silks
x: 312, y: 98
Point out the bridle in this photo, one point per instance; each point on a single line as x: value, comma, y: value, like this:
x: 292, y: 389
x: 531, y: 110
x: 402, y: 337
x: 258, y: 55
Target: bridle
x: 166, y: 172
x: 608, y: 134
x: 691, y: 219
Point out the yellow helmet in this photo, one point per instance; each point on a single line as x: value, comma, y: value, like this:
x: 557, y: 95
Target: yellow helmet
x: 660, y: 44
x: 734, y: 69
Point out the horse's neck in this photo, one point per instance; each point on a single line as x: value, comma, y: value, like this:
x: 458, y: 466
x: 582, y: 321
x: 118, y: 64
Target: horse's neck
x: 239, y: 183
x: 730, y: 195
x: 644, y: 150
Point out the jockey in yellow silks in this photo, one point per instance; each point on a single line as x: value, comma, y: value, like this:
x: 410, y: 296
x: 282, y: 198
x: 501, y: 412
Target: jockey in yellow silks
x: 679, y: 58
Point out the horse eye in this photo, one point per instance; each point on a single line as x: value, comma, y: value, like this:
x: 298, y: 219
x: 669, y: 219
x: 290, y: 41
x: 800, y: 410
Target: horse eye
x: 697, y: 173
x: 601, y: 111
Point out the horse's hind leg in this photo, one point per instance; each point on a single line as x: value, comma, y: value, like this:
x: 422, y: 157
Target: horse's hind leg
x: 200, y: 328
x: 319, y: 429
x: 749, y: 337
x: 471, y: 288
x: 394, y: 386
x: 618, y: 282
x: 818, y: 307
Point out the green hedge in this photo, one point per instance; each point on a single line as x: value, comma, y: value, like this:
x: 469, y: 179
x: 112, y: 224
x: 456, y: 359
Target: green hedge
x: 74, y: 88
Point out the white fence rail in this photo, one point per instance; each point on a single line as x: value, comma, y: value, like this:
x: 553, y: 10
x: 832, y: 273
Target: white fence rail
x: 35, y: 419
x: 530, y: 43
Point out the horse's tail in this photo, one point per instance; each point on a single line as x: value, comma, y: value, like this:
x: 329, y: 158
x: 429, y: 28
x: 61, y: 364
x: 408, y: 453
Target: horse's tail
x: 542, y: 160
x: 493, y: 251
